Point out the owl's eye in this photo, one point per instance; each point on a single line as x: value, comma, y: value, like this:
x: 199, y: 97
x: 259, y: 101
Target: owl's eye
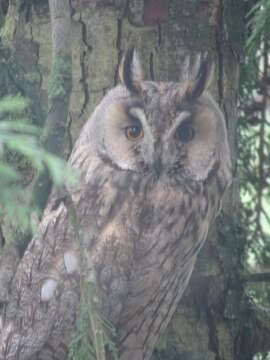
x: 134, y: 132
x: 185, y: 132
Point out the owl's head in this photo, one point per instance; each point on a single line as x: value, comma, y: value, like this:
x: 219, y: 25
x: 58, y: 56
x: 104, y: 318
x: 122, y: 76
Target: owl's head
x: 171, y: 129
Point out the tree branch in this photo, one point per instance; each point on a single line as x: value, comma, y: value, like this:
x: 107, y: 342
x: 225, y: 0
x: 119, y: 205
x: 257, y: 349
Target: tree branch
x: 59, y: 94
x: 257, y: 277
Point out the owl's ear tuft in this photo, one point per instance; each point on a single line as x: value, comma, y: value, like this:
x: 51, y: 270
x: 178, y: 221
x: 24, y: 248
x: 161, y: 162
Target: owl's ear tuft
x: 130, y: 70
x: 199, y: 75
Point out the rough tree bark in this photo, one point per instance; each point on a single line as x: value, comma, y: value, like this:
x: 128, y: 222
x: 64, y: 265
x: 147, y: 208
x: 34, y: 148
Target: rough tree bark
x: 55, y: 126
x: 59, y: 93
x: 214, y: 321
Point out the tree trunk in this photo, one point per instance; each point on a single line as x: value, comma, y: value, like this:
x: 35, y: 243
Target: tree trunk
x: 211, y: 321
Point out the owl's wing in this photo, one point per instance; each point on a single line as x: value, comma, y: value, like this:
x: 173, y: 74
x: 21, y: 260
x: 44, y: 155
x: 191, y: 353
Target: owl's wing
x: 45, y: 290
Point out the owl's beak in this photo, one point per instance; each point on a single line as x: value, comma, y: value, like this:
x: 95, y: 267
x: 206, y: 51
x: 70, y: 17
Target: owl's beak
x: 157, y: 161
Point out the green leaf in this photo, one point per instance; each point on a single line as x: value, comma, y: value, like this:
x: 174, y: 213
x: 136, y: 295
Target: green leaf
x: 13, y: 104
x: 19, y: 126
x: 20, y: 140
x: 7, y: 174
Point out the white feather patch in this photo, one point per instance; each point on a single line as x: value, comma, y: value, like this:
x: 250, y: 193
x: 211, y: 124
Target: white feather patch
x: 71, y: 262
x: 48, y: 289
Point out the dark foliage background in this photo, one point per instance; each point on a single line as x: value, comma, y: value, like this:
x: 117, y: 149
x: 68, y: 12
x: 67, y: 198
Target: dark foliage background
x: 254, y: 151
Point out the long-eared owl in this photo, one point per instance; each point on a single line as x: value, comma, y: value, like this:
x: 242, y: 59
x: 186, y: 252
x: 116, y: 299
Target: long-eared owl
x: 157, y: 161
x: 154, y: 162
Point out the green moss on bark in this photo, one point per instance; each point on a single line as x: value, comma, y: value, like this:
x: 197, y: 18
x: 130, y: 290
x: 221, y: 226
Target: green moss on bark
x: 60, y: 76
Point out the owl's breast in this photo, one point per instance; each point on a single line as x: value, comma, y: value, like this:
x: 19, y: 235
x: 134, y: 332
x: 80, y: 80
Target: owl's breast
x: 154, y: 231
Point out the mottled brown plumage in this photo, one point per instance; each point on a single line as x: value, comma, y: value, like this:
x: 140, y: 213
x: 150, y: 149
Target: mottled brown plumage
x: 155, y: 162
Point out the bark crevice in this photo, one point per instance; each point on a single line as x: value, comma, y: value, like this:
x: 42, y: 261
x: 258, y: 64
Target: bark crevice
x: 219, y: 47
x: 87, y: 49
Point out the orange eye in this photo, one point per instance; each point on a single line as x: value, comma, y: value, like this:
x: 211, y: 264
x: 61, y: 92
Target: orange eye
x: 134, y: 132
